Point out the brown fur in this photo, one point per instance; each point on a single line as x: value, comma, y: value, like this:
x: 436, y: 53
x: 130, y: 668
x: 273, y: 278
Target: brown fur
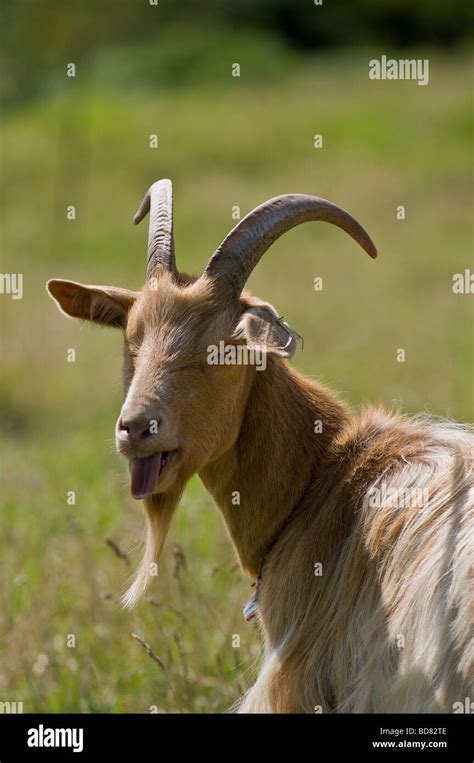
x: 331, y: 640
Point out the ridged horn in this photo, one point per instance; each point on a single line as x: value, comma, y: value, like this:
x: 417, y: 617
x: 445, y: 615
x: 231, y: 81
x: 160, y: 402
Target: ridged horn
x: 159, y: 202
x: 234, y: 260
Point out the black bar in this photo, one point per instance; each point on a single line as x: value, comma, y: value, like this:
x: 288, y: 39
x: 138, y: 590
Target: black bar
x: 315, y: 737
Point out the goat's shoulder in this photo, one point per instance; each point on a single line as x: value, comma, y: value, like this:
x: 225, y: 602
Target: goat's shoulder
x: 378, y: 441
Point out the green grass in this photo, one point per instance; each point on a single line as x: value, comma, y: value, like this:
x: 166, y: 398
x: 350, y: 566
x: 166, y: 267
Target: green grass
x: 236, y: 143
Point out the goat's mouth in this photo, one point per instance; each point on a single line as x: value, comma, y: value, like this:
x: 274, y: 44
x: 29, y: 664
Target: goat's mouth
x: 148, y: 473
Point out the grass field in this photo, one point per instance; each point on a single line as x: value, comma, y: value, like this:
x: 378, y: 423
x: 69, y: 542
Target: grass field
x: 235, y: 143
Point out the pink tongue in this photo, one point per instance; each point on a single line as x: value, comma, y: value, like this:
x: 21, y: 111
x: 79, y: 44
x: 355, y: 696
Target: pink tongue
x: 144, y: 475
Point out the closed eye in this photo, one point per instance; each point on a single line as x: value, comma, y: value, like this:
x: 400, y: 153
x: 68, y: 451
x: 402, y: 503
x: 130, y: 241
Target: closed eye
x: 132, y: 353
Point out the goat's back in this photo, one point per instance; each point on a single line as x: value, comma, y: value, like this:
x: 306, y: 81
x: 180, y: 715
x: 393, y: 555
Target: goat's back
x: 366, y: 599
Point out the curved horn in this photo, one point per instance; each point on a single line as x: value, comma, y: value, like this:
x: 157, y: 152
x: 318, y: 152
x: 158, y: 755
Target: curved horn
x: 159, y: 202
x: 242, y: 248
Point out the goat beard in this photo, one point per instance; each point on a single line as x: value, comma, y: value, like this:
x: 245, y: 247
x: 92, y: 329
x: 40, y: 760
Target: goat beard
x: 159, y: 511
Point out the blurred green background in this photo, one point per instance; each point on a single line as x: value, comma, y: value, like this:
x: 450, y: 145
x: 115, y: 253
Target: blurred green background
x: 224, y: 141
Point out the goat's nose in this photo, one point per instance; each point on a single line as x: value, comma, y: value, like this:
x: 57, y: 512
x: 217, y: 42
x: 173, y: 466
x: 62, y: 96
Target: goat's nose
x: 138, y: 428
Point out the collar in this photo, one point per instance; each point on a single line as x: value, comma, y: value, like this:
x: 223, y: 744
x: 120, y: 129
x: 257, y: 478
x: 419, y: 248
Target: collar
x: 250, y: 609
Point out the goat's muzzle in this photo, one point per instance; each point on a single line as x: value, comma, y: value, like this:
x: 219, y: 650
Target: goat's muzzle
x: 153, y: 454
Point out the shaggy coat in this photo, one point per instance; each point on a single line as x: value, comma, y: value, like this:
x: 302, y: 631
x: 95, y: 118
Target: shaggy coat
x: 359, y: 529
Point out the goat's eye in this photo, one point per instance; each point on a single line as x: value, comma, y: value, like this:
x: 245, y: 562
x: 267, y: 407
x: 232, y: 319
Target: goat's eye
x: 132, y: 354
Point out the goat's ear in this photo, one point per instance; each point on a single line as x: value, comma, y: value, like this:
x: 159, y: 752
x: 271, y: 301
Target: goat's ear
x: 261, y: 326
x: 106, y: 305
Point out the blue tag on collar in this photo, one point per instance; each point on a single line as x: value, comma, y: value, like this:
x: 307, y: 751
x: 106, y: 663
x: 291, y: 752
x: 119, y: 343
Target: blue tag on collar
x: 251, y: 608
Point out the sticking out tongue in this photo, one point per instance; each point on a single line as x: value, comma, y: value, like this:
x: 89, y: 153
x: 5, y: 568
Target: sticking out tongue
x: 144, y: 475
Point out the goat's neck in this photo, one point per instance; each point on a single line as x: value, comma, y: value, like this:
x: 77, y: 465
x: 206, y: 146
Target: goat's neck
x: 260, y: 480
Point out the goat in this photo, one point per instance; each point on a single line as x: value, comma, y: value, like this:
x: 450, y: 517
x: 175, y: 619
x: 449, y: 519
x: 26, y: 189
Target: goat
x: 363, y: 592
